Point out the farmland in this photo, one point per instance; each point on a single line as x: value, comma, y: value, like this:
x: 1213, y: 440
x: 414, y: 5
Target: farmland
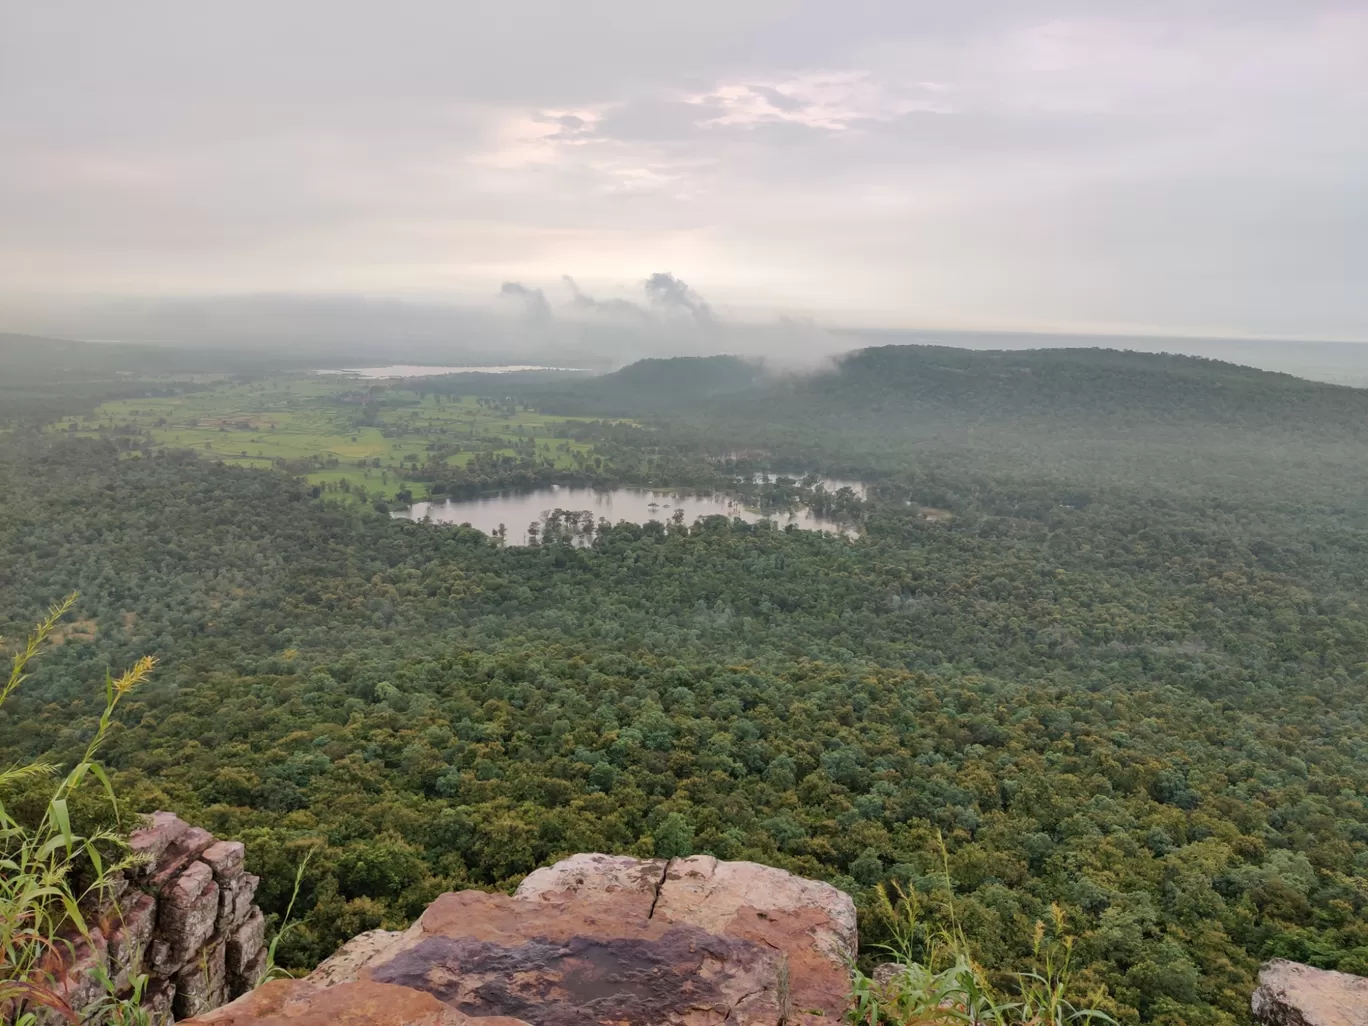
x: 356, y: 439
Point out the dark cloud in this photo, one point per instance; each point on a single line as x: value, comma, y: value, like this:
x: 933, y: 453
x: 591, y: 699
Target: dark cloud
x: 535, y: 307
x: 669, y: 293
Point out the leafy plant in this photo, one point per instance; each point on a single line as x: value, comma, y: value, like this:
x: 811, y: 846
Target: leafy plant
x: 50, y: 875
x: 933, y: 979
x: 288, y: 924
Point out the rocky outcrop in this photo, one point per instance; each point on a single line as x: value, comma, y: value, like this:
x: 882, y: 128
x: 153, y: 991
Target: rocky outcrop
x: 592, y: 939
x: 185, y: 919
x: 1292, y: 994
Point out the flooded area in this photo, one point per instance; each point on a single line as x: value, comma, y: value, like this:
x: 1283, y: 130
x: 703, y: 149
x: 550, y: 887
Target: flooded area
x: 516, y: 512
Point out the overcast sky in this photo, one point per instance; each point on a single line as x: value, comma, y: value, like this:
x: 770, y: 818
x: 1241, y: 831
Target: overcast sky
x: 1184, y: 167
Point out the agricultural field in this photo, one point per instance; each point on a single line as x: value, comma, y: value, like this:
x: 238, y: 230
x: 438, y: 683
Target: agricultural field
x: 359, y: 439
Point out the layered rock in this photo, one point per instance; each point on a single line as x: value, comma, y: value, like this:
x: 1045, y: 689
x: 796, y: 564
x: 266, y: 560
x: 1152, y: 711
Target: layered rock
x: 1292, y: 994
x: 185, y: 919
x: 593, y: 939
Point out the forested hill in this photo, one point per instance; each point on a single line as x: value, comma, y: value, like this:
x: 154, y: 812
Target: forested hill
x: 1088, y: 417
x: 1079, y: 384
x: 941, y: 386
x: 649, y: 386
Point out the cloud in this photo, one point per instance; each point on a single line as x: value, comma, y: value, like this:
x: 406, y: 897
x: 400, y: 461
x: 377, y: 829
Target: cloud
x: 830, y: 101
x: 616, y: 308
x: 1056, y: 165
x: 669, y: 293
x: 535, y: 307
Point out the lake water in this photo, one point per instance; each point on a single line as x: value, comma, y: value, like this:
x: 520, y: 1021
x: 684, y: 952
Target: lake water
x: 405, y: 370
x: 517, y: 510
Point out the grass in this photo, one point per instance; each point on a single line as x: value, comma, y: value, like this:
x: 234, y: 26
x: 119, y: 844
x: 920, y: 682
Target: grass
x: 301, y: 417
x: 51, y: 875
x: 53, y: 878
x: 933, y: 979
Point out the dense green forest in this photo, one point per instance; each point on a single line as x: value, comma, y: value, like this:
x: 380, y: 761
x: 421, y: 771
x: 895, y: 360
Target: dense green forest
x: 1103, y: 631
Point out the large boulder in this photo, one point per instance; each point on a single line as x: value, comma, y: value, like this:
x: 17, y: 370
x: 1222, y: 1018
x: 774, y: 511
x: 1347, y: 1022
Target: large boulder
x: 597, y: 938
x: 1292, y: 994
x: 293, y: 1003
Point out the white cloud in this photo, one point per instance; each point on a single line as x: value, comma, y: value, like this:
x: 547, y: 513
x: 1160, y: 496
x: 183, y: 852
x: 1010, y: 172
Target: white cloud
x: 1047, y: 164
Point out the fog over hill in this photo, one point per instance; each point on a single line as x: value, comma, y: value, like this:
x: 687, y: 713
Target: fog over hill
x: 528, y: 326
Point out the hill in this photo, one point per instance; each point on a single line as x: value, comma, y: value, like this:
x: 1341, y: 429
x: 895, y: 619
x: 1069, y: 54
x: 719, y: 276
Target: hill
x: 650, y: 386
x: 1087, y: 416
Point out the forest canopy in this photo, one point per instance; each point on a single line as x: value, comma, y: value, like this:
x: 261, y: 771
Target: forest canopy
x: 1102, y: 631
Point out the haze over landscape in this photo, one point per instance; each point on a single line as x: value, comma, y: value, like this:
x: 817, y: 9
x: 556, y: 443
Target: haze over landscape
x: 909, y: 460
x: 176, y: 173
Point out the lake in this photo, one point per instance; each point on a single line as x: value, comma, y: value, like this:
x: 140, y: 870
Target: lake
x: 518, y: 510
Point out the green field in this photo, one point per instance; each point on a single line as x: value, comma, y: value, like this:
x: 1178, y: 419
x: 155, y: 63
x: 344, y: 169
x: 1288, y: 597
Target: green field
x: 340, y: 433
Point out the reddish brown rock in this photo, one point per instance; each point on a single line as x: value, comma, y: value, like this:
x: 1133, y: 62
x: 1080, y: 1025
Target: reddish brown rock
x: 298, y: 1003
x: 157, y: 1001
x: 235, y: 900
x: 77, y: 977
x: 811, y: 921
x: 251, y: 975
x: 173, y: 917
x: 347, y: 961
x: 129, y: 928
x: 225, y: 859
x: 201, y: 984
x: 591, y: 941
x: 246, y: 941
x: 630, y: 885
x: 1292, y: 994
x: 152, y: 840
x: 177, y: 858
x: 188, y: 911
x: 602, y: 939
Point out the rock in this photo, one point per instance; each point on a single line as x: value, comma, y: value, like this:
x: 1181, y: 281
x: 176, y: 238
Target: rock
x: 152, y: 840
x: 189, y: 910
x: 344, y: 963
x: 245, y: 954
x: 158, y: 1000
x: 225, y: 859
x: 1291, y: 994
x: 245, y: 942
x: 620, y: 880
x: 235, y: 901
x: 177, y: 857
x: 297, y: 1003
x: 78, y: 980
x: 885, y: 973
x: 601, y: 939
x: 130, y: 926
x: 251, y: 975
x: 176, y: 917
x: 807, y: 918
x: 201, y: 985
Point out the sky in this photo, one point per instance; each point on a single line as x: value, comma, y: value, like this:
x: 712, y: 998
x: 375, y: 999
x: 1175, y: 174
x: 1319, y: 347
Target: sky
x: 1190, y: 168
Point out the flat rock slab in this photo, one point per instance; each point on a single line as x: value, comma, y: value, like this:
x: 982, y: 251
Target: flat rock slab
x: 1292, y: 994
x: 601, y: 939
x: 299, y: 1003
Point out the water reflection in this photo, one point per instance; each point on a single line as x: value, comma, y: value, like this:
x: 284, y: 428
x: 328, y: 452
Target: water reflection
x: 516, y: 512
